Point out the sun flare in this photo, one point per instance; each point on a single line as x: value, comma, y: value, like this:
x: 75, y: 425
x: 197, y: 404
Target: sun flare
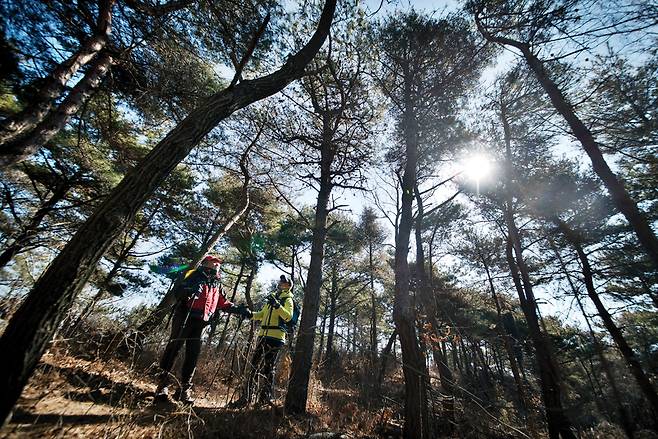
x: 477, y: 167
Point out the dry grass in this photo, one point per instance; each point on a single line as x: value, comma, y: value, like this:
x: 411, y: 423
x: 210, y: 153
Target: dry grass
x: 75, y: 393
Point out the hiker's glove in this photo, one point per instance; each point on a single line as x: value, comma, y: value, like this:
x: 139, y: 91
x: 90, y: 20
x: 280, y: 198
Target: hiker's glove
x: 274, y: 303
x: 244, y: 311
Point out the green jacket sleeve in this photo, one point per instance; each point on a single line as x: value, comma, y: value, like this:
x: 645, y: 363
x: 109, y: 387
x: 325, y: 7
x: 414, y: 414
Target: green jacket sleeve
x: 258, y: 315
x: 285, y: 311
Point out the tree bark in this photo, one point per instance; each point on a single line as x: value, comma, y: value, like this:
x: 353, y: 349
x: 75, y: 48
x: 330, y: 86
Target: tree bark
x: 373, y: 308
x: 643, y: 381
x: 557, y: 420
x: 323, y: 329
x: 624, y: 418
x: 116, y: 266
x: 297, y: 395
x: 333, y: 293
x: 250, y: 303
x: 425, y: 294
x: 27, y: 335
x: 416, y: 379
x: 27, y: 119
x: 386, y: 352
x: 509, y: 349
x: 558, y: 423
x: 21, y: 147
x: 620, y: 196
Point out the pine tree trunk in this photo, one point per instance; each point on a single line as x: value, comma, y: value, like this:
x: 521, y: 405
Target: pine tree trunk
x: 509, y: 349
x: 297, y: 395
x: 627, y: 352
x: 27, y: 335
x: 373, y: 308
x: 301, y: 367
x: 21, y: 147
x: 558, y: 423
x: 355, y: 331
x: 424, y: 293
x: 331, y: 355
x: 624, y: 418
x: 416, y: 379
x: 323, y: 332
x: 557, y: 420
x: 27, y: 119
x: 620, y: 196
x: 386, y: 353
x: 252, y: 327
x: 116, y: 266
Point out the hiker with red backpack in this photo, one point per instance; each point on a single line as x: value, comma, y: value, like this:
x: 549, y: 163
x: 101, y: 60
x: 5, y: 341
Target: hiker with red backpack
x: 199, y: 294
x: 275, y: 316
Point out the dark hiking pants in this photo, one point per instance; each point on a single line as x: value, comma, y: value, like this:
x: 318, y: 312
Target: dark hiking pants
x: 263, y: 364
x: 190, y: 334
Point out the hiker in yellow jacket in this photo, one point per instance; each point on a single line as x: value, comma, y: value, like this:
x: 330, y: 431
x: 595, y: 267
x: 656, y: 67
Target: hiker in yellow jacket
x: 277, y: 311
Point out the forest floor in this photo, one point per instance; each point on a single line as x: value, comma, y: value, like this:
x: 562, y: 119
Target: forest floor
x: 70, y: 396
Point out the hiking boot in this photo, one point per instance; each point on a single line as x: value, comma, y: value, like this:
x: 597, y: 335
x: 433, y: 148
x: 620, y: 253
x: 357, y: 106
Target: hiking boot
x: 186, y: 395
x: 162, y: 393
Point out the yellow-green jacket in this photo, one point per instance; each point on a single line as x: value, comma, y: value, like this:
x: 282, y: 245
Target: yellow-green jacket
x: 272, y: 319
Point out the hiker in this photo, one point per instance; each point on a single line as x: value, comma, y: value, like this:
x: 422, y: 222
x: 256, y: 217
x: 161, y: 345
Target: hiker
x: 277, y: 311
x: 198, y: 296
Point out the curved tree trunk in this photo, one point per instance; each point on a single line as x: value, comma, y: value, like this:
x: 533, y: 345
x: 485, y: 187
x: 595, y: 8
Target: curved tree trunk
x: 252, y: 327
x: 27, y: 335
x: 116, y: 266
x: 21, y: 147
x: 620, y: 196
x: 624, y: 418
x: 627, y: 352
x: 27, y: 119
x: 549, y: 377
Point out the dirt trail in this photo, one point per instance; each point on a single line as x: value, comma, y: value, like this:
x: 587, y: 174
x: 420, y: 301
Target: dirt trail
x: 72, y: 397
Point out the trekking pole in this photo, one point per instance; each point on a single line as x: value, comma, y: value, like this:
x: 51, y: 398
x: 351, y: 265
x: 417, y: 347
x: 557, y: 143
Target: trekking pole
x: 220, y: 363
